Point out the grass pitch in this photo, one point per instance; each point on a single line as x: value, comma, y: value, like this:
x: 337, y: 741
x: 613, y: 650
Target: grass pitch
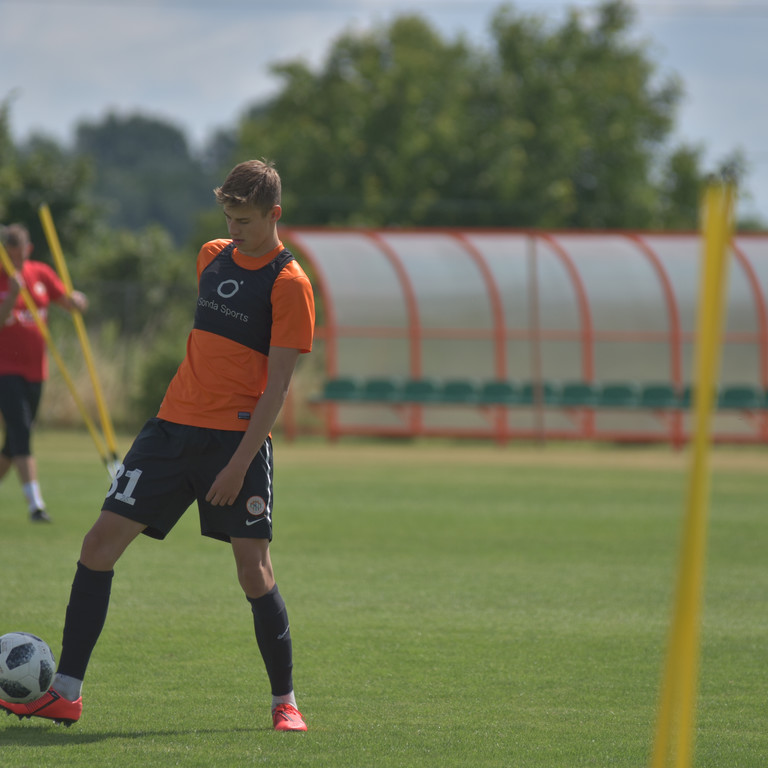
x: 450, y: 605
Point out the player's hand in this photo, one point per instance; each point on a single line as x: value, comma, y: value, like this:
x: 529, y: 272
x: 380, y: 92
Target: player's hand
x: 15, y: 284
x: 225, y: 487
x: 78, y: 300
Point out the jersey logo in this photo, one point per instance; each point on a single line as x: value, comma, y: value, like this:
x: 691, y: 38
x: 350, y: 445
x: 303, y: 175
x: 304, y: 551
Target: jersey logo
x: 232, y: 287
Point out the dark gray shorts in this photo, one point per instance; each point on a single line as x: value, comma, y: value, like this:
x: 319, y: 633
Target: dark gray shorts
x: 171, y: 465
x: 19, y: 401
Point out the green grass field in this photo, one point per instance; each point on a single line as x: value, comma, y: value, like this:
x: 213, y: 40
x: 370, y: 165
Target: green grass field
x: 450, y: 605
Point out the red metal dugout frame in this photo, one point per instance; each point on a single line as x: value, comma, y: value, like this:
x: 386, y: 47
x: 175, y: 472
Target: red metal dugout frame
x: 571, y: 250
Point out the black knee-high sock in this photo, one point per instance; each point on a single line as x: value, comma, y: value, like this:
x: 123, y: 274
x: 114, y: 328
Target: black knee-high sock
x: 270, y: 620
x: 85, y: 617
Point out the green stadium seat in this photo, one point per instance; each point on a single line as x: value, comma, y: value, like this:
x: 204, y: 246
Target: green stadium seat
x: 342, y: 388
x: 577, y: 394
x: 498, y: 392
x: 383, y: 390
x: 419, y: 391
x: 460, y: 391
x: 544, y: 391
x: 740, y: 397
x: 619, y: 395
x: 659, y: 397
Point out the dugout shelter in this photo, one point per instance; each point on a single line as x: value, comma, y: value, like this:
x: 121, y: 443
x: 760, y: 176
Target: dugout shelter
x: 508, y: 335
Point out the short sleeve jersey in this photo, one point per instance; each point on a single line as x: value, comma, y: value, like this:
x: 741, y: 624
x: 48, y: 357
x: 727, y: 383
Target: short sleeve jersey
x: 22, y: 346
x: 244, y: 306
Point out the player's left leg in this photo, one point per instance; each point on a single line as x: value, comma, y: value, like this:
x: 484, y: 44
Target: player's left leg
x: 26, y: 466
x: 270, y: 621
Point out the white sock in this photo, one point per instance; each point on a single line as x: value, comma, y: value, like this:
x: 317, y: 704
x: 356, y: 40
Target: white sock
x: 34, y: 495
x: 69, y: 687
x: 288, y: 698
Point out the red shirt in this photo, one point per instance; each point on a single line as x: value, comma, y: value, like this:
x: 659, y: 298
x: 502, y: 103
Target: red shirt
x: 22, y: 346
x: 223, y: 375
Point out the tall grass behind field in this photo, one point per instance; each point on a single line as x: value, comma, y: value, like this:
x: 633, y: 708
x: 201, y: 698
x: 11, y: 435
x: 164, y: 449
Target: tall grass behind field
x: 117, y: 362
x: 450, y: 605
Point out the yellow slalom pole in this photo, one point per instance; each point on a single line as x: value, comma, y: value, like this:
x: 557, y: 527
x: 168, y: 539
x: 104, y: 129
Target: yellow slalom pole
x: 5, y: 259
x: 61, y: 266
x: 677, y: 706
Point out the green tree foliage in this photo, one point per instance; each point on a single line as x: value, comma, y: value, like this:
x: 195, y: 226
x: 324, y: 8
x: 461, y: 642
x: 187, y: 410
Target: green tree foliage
x: 140, y: 285
x: 554, y: 126
x: 40, y: 171
x: 141, y: 277
x: 145, y: 173
x: 592, y: 120
x: 9, y: 177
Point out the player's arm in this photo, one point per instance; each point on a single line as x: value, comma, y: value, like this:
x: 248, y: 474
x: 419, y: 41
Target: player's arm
x: 229, y: 481
x: 6, y: 305
x: 75, y: 300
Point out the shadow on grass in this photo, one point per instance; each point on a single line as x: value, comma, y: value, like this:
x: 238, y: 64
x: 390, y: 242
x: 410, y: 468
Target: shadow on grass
x: 51, y: 735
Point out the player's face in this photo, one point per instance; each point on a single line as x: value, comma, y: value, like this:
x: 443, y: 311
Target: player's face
x: 18, y: 254
x: 252, y: 231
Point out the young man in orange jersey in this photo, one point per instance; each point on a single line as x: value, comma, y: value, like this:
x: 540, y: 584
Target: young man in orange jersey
x: 209, y: 442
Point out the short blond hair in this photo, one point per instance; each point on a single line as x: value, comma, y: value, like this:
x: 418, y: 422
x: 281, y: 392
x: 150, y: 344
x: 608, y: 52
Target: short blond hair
x: 253, y: 182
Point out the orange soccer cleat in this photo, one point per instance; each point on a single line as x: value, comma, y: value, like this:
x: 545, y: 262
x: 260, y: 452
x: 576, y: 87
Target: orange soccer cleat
x: 50, y: 705
x: 285, y: 717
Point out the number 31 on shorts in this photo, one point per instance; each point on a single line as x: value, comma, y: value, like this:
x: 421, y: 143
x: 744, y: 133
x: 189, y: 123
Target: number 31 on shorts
x: 133, y: 476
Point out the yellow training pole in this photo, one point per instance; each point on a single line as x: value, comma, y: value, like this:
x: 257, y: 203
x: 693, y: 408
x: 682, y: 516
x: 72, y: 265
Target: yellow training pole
x: 677, y: 707
x: 61, y: 266
x: 5, y: 259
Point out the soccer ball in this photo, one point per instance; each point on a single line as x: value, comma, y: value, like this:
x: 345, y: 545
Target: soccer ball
x: 26, y: 667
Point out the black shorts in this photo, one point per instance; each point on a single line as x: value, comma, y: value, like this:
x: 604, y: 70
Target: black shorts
x: 171, y: 465
x: 19, y: 401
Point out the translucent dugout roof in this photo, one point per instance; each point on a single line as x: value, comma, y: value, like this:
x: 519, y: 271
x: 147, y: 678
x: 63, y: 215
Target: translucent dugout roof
x: 514, y: 304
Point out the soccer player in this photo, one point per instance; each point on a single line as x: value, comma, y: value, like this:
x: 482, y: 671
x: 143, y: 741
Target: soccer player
x: 23, y: 358
x: 210, y: 441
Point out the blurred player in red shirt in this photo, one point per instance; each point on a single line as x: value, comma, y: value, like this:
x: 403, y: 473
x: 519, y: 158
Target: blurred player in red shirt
x: 23, y: 357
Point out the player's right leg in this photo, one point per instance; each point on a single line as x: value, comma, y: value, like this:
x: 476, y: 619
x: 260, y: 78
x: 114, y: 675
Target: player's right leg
x: 147, y: 494
x: 108, y: 538
x: 85, y: 617
x: 5, y: 465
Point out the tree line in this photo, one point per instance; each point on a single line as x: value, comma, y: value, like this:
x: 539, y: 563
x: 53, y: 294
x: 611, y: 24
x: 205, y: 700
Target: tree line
x: 552, y: 125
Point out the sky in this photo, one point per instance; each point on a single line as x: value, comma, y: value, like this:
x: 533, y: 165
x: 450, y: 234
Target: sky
x: 201, y: 63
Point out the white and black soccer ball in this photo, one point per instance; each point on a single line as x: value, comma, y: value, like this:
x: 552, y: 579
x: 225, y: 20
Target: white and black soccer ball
x: 26, y: 667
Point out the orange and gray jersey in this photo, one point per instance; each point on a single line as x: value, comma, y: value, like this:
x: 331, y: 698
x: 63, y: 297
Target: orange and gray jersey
x: 244, y: 306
